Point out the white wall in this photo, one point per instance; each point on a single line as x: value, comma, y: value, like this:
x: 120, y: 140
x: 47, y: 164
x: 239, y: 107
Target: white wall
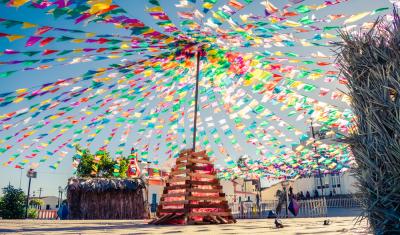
x: 304, y: 185
x: 346, y: 180
x: 349, y: 183
x: 158, y: 190
x: 52, y: 201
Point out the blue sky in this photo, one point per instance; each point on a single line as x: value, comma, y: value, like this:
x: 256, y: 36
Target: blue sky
x: 50, y: 179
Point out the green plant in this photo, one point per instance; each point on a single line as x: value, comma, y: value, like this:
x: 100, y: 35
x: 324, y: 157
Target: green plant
x: 36, y: 203
x: 100, y: 164
x: 32, y: 213
x: 12, y: 204
x: 86, y: 159
x: 123, y: 167
x: 371, y: 63
x: 106, y: 164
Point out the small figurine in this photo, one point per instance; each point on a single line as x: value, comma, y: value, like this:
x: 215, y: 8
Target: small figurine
x: 133, y: 168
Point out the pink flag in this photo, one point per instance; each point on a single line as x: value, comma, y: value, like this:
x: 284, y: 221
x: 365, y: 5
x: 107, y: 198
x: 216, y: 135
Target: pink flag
x: 32, y: 40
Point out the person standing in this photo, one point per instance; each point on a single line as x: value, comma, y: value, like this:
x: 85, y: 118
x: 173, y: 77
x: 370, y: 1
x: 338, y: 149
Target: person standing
x: 62, y: 212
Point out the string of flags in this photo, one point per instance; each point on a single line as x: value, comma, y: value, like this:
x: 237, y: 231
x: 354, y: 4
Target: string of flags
x: 260, y: 86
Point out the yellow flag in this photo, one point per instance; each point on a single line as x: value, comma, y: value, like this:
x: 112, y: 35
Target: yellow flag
x: 18, y: 3
x: 14, y: 37
x: 290, y: 23
x: 207, y: 5
x: 78, y: 40
x: 89, y: 35
x: 22, y: 90
x: 26, y: 25
x: 98, y: 5
x: 356, y: 17
x: 125, y: 46
x: 155, y: 9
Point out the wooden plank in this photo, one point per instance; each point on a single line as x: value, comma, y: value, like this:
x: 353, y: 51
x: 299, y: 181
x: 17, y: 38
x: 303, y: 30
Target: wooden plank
x: 179, y: 172
x: 164, y: 218
x: 178, y: 179
x: 211, y: 219
x: 158, y: 219
x: 175, y: 217
x: 183, y: 157
x: 185, y: 151
x: 209, y: 198
x: 201, y: 168
x: 200, y: 190
x: 201, y: 154
x: 174, y: 187
x: 178, y: 166
x: 174, y: 195
x: 202, y: 175
x: 199, y: 161
x: 198, y: 223
x: 212, y: 182
x: 181, y: 160
x: 153, y: 221
x: 182, y: 210
x: 222, y: 220
x: 174, y: 202
x: 210, y: 205
x: 210, y: 214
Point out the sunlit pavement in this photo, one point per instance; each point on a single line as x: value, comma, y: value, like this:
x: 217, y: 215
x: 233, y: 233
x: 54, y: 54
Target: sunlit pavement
x: 339, y: 225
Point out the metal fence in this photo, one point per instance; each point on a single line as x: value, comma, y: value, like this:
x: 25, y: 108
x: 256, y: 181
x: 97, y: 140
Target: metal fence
x: 350, y: 202
x: 47, y: 214
x: 248, y: 210
x: 317, y: 207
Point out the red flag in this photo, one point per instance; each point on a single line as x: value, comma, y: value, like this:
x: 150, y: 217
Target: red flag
x: 46, y: 41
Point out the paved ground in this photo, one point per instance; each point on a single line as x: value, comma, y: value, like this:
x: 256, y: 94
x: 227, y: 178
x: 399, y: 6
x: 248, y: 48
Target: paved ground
x: 304, y: 226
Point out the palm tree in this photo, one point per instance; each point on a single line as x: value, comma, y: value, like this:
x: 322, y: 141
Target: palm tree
x: 371, y: 63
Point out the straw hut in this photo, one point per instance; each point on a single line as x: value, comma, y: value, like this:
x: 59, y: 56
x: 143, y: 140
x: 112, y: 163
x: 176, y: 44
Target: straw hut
x: 100, y: 198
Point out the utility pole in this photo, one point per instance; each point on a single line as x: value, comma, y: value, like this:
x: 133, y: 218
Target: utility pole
x: 31, y: 174
x: 285, y: 185
x: 259, y: 196
x: 58, y: 198
x: 40, y: 192
x: 61, y: 193
x: 27, y: 198
x: 40, y: 196
x: 147, y: 188
x: 317, y: 157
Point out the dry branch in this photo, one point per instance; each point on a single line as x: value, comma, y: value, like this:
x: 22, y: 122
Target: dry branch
x: 371, y: 63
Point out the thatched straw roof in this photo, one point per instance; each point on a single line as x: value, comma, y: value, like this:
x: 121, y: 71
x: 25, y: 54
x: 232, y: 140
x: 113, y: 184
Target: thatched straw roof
x: 104, y: 185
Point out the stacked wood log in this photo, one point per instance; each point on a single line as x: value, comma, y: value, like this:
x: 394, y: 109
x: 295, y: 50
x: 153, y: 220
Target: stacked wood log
x: 193, y: 194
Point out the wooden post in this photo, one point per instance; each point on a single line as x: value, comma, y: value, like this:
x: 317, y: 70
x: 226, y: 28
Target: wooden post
x: 196, y: 99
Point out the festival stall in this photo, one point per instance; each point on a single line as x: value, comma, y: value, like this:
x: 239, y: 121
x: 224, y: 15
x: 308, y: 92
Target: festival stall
x: 101, y: 198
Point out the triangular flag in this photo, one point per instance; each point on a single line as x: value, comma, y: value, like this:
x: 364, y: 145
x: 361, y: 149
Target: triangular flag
x: 14, y: 37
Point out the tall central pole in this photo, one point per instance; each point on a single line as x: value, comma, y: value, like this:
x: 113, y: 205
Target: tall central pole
x: 317, y: 158
x: 196, y: 97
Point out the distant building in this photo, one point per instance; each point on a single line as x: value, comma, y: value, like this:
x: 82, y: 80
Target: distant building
x: 239, y: 190
x: 50, y: 202
x: 337, y: 184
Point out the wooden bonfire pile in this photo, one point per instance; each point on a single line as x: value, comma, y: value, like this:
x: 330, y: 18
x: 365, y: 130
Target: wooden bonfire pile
x: 193, y: 194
